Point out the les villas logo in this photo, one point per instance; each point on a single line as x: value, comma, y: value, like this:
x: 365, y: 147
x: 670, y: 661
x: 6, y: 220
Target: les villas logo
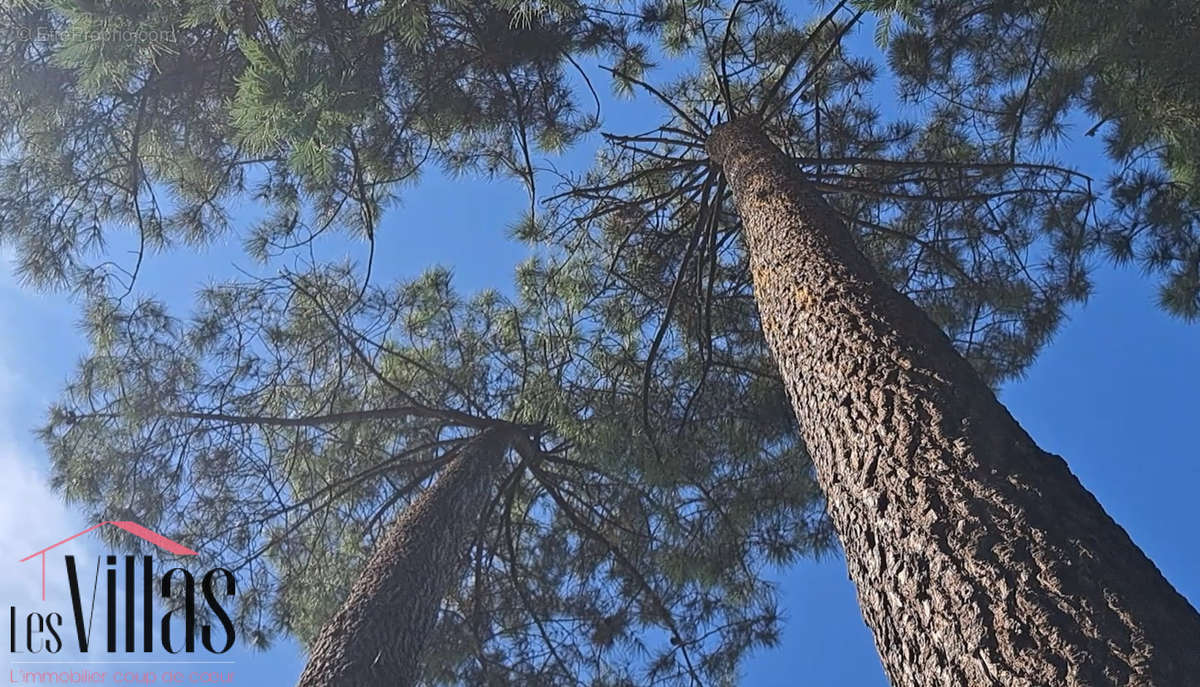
x: 42, y: 632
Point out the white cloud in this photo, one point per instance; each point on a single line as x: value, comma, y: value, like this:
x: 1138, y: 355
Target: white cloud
x: 32, y: 516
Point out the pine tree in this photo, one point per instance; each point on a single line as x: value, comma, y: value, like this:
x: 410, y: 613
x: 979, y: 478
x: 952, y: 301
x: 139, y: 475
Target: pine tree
x: 379, y: 634
x: 285, y: 424
x: 960, y: 211
x: 319, y: 113
x: 979, y: 558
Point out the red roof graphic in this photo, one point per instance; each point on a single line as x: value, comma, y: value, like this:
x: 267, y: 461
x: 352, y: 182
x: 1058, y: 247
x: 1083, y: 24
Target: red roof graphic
x: 130, y: 527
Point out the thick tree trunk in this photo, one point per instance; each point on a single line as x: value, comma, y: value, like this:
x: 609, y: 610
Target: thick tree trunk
x: 376, y: 638
x: 979, y: 558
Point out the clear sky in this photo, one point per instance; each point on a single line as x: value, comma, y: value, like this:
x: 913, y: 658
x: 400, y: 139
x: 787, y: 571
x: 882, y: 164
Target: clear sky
x: 1116, y: 393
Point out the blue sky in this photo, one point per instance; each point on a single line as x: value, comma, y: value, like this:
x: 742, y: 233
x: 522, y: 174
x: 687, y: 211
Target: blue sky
x: 1116, y: 393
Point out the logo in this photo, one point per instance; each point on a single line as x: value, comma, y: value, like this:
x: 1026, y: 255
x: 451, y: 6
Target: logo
x: 179, y: 630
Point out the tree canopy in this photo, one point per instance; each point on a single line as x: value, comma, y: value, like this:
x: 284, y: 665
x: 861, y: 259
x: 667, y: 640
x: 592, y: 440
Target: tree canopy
x: 281, y: 426
x: 1123, y: 70
x: 320, y: 112
x: 993, y: 248
x: 291, y: 416
x: 317, y: 112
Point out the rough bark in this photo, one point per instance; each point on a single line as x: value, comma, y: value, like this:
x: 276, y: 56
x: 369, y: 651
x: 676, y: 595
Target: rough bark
x: 377, y: 637
x: 978, y: 557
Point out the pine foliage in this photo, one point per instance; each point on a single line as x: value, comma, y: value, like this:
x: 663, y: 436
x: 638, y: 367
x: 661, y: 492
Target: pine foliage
x: 1128, y: 70
x: 281, y: 427
x: 144, y: 122
x: 992, y: 247
x: 287, y: 420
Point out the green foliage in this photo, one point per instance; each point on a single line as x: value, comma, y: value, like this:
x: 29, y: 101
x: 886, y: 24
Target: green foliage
x: 103, y: 111
x: 284, y: 424
x: 155, y: 117
x: 290, y: 419
x: 1130, y: 68
x: 991, y: 247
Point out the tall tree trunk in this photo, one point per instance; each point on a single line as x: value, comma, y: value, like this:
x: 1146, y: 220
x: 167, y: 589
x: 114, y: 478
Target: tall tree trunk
x: 376, y: 638
x: 979, y: 558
